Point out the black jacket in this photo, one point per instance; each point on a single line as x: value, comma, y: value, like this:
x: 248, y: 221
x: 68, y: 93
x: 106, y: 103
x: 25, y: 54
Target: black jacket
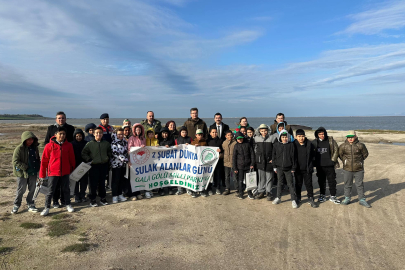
x: 264, y: 152
x: 243, y: 156
x: 225, y: 127
x: 53, y: 128
x: 183, y: 140
x: 168, y: 141
x: 310, y: 154
x: 216, y: 142
x: 78, y: 147
x: 284, y: 156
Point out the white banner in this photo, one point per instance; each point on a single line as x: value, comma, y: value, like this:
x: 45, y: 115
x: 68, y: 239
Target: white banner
x: 186, y: 166
x: 81, y: 170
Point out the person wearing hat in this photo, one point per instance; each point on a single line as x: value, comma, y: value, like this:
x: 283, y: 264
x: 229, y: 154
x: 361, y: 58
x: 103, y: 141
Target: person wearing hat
x: 60, y: 122
x: 199, y: 141
x: 126, y: 122
x: 305, y: 154
x: 107, y: 129
x: 263, y: 152
x: 89, y: 129
x: 353, y: 153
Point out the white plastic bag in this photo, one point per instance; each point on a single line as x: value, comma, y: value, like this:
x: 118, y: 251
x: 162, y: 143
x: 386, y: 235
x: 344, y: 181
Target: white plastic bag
x: 250, y: 180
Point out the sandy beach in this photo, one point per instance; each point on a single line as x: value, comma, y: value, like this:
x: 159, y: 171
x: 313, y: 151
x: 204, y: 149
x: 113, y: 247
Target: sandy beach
x: 217, y: 232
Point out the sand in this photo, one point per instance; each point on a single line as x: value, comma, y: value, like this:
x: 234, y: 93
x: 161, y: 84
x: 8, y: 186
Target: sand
x: 220, y: 232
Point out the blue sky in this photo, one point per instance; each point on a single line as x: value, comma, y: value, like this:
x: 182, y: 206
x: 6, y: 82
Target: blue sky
x: 250, y: 58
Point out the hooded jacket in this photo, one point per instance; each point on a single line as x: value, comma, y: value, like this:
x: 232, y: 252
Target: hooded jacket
x: 310, y: 154
x: 119, y: 151
x: 156, y: 125
x: 153, y: 141
x: 78, y: 147
x: 216, y: 142
x: 57, y: 159
x: 167, y: 141
x: 264, y: 151
x: 193, y: 125
x: 53, y: 128
x: 274, y: 127
x: 353, y: 155
x: 228, y: 147
x: 224, y: 128
x: 97, y: 152
x: 137, y: 141
x: 333, y: 147
x: 243, y: 155
x: 284, y: 156
x: 89, y: 136
x: 20, y: 155
x: 183, y: 140
x: 274, y: 136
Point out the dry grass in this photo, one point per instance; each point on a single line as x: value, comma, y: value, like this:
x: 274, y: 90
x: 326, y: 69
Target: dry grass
x: 5, y: 250
x: 60, y: 227
x: 30, y: 225
x: 77, y: 248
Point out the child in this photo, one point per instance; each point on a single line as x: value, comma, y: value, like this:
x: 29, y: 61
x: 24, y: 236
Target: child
x: 353, y: 153
x: 58, y: 162
x: 137, y: 140
x: 126, y: 123
x: 150, y: 138
x: 199, y: 141
x: 243, y: 130
x: 264, y: 150
x: 228, y: 146
x: 275, y: 136
x: 243, y: 159
x: 215, y: 141
x: 305, y: 154
x: 127, y: 132
x: 250, y: 132
x: 119, y: 160
x: 166, y: 141
x: 98, y: 152
x: 26, y: 165
x: 184, y: 139
x: 243, y: 122
x: 284, y: 164
x: 81, y: 185
x: 107, y: 129
x: 89, y: 129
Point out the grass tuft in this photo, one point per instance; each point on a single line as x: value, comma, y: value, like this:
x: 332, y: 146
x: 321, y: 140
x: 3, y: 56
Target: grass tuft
x: 5, y: 203
x: 59, y: 227
x: 3, y: 187
x: 83, y: 239
x: 29, y: 225
x: 5, y: 249
x: 77, y: 248
x: 61, y: 216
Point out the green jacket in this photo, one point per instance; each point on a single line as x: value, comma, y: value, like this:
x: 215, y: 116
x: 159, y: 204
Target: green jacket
x: 157, y: 125
x: 20, y: 156
x: 97, y: 152
x: 353, y: 155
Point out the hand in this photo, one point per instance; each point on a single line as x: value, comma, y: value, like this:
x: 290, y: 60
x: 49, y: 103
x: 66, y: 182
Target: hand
x: 235, y: 171
x: 167, y: 146
x: 218, y: 150
x: 142, y: 145
x: 186, y: 143
x: 271, y: 161
x: 292, y: 171
x: 275, y: 170
x: 129, y: 164
x: 337, y: 165
x: 251, y: 167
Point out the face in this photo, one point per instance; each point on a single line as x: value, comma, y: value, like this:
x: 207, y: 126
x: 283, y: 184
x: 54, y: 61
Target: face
x: 91, y: 131
x: 229, y: 136
x: 243, y: 131
x: 250, y: 133
x: 29, y: 141
x: 120, y: 135
x: 199, y: 136
x: 79, y: 137
x: 280, y: 128
x: 126, y: 123
x: 150, y: 135
x: 150, y: 116
x: 126, y: 131
x: 194, y: 114
x: 264, y: 132
x: 239, y: 140
x: 60, y: 136
x: 218, y: 119
x: 243, y: 122
x: 171, y: 126
x: 214, y: 133
x: 98, y: 134
x: 165, y: 135
x: 280, y: 118
x: 61, y: 119
x: 351, y: 140
x: 138, y: 131
x: 321, y: 135
x: 284, y: 139
x: 183, y: 133
x: 105, y: 121
x: 301, y: 138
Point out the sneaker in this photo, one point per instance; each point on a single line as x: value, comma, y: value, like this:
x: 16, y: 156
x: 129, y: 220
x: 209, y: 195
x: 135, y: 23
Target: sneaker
x: 147, y: 195
x: 171, y: 192
x: 294, y: 204
x: 364, y: 203
x: 133, y: 198
x: 115, y: 199
x: 139, y: 197
x: 321, y: 198
x: 204, y: 194
x: 269, y: 197
x: 93, y: 203
x: 162, y: 193
x: 218, y: 191
x: 179, y: 192
x: 312, y: 203
x: 56, y: 205
x: 77, y: 200
x: 276, y: 201
x: 121, y: 198
x: 346, y: 201
x: 193, y: 194
x: 104, y: 201
x: 189, y: 192
x: 334, y: 200
x: 236, y: 193
x: 107, y: 187
x: 69, y: 208
x: 240, y: 196
x: 250, y: 196
x: 15, y: 209
x: 210, y: 192
x: 226, y: 192
x: 260, y: 195
x: 151, y: 194
x: 32, y: 208
x: 45, y: 212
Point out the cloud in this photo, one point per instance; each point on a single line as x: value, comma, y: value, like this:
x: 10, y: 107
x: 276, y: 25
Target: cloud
x: 374, y: 21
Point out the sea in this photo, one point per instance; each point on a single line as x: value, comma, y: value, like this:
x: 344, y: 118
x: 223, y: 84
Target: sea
x: 330, y: 123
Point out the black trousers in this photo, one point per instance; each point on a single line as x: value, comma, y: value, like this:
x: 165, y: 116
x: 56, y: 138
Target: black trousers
x: 241, y: 176
x: 324, y: 173
x: 58, y: 194
x: 218, y: 176
x: 97, y: 180
x: 81, y: 186
x: 306, y: 178
x: 118, y: 180
x: 285, y: 175
x: 53, y: 183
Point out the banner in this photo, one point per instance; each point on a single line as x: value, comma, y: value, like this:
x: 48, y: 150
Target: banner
x: 186, y: 166
x: 81, y: 170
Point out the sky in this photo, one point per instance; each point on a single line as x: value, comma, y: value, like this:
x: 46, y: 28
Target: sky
x: 240, y: 58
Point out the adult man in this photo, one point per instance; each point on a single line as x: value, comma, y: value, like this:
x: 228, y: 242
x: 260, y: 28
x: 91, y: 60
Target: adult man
x: 220, y: 126
x: 151, y: 122
x: 60, y: 122
x: 280, y: 118
x: 326, y: 160
x: 194, y: 123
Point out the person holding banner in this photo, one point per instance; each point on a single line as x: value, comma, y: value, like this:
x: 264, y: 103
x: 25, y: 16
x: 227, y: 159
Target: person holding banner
x: 119, y: 160
x: 184, y: 139
x: 243, y: 160
x: 58, y: 161
x: 215, y: 141
x: 81, y: 185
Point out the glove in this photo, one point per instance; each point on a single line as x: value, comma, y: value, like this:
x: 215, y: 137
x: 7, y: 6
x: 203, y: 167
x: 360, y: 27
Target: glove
x: 337, y: 165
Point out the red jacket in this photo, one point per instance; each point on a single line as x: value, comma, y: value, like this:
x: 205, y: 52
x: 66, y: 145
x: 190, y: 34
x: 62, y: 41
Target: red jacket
x: 57, y: 160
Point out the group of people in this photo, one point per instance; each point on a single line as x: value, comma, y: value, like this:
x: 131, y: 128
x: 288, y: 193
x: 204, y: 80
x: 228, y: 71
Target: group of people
x: 273, y: 151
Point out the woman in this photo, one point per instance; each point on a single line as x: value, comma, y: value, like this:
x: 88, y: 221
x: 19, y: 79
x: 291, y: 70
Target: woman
x: 243, y: 122
x: 173, y: 133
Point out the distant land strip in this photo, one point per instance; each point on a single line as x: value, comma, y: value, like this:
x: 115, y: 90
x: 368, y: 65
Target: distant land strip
x: 22, y: 117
